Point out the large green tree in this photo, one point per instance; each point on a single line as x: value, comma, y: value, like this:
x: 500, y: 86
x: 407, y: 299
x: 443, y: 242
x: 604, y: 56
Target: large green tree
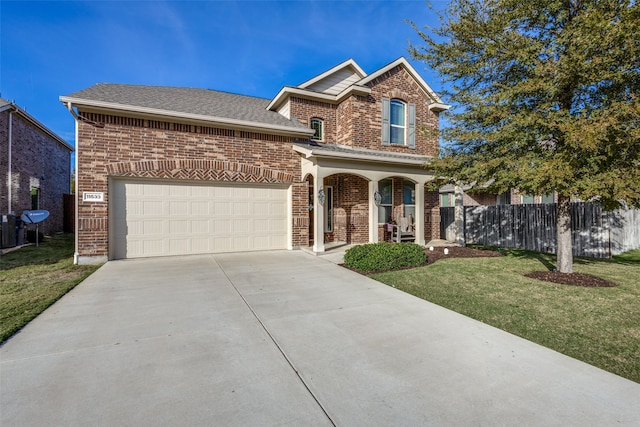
x: 546, y: 98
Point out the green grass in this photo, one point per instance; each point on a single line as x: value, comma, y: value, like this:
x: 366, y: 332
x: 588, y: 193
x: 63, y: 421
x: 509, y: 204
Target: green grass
x: 600, y: 326
x: 32, y: 278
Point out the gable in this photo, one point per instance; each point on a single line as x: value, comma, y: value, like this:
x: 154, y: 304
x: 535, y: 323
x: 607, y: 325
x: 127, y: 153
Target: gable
x: 336, y: 79
x: 348, y: 78
x: 335, y: 83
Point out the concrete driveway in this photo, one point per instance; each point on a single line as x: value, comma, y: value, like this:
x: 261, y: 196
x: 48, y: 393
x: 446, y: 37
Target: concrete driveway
x: 283, y: 338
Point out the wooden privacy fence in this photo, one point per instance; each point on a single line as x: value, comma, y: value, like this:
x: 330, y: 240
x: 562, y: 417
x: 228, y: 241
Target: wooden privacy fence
x: 595, y: 232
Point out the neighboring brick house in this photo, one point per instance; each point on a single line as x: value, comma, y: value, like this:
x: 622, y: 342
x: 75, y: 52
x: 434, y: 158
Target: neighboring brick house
x: 34, y: 167
x: 168, y: 171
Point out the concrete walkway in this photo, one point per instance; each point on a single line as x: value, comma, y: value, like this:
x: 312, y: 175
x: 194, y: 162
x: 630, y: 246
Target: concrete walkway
x: 283, y: 338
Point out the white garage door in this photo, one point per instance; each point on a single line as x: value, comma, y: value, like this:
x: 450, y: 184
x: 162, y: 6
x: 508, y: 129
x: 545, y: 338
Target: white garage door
x: 151, y: 218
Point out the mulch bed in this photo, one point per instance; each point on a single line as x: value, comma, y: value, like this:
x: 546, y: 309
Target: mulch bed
x: 458, y: 252
x: 572, y: 279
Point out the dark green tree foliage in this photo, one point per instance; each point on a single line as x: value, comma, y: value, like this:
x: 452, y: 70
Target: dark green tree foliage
x: 546, y: 98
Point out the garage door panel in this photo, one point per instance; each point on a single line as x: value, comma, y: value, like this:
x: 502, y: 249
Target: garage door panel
x: 153, y: 218
x: 197, y: 208
x: 153, y: 227
x: 179, y: 208
x: 200, y: 226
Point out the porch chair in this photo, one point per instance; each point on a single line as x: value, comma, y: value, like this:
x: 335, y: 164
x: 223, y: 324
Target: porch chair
x: 403, y: 231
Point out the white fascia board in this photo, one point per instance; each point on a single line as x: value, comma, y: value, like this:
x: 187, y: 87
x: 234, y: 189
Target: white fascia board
x: 349, y: 62
x: 402, y: 61
x: 287, y: 91
x: 436, y: 106
x: 357, y: 89
x: 308, y: 153
x: 219, y: 121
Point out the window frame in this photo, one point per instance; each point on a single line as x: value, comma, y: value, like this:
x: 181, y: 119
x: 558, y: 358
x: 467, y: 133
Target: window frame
x: 328, y: 209
x: 411, y: 186
x: 382, y: 206
x: 448, y: 200
x: 392, y: 125
x: 35, y: 198
x: 319, y: 130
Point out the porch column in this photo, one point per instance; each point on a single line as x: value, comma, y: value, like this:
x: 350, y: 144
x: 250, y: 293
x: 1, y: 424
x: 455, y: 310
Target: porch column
x: 318, y: 214
x: 373, y: 212
x: 419, y: 220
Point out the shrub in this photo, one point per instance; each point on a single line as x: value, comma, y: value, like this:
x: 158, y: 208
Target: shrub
x: 384, y: 256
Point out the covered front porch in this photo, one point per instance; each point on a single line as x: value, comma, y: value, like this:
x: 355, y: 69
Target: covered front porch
x: 364, y: 196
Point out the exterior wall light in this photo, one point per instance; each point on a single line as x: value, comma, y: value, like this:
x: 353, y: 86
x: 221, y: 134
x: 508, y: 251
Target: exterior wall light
x: 377, y: 198
x: 321, y: 196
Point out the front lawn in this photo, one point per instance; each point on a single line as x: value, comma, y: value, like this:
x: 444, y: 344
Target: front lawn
x: 32, y: 278
x: 600, y: 326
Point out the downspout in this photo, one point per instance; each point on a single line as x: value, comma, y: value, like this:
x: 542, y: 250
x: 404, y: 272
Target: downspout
x: 9, y: 175
x: 75, y: 167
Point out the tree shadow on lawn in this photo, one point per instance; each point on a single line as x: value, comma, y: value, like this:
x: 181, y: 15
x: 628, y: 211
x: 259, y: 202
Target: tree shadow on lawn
x: 548, y: 260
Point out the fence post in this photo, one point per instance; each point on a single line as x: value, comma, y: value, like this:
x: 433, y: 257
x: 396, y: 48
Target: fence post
x: 459, y: 215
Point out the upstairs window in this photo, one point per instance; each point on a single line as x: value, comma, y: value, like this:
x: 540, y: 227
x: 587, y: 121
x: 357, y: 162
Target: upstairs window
x: 398, y: 123
x: 318, y: 126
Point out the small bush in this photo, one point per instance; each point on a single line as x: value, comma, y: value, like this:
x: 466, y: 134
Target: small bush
x: 384, y: 256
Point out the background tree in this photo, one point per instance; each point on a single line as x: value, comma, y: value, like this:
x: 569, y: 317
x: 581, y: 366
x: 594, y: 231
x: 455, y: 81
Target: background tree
x: 545, y: 96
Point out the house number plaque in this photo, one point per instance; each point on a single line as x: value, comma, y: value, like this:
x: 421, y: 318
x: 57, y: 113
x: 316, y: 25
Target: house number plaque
x: 92, y: 197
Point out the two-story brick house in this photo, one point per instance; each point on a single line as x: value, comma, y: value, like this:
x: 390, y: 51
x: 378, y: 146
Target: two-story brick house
x: 168, y: 171
x: 34, y: 167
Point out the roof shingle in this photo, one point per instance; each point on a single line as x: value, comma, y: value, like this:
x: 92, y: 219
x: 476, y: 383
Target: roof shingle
x: 203, y: 102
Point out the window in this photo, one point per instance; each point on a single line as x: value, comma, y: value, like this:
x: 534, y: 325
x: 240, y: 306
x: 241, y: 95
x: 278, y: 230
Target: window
x: 447, y: 200
x: 35, y: 198
x: 527, y: 199
x: 548, y: 198
x: 396, y: 120
x: 398, y: 123
x: 409, y: 199
x: 504, y: 198
x: 385, y: 187
x: 318, y: 126
x: 328, y: 209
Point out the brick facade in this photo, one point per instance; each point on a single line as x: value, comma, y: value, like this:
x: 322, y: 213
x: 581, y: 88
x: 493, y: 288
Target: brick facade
x: 357, y: 122
x: 37, y: 161
x: 140, y: 148
x: 111, y: 145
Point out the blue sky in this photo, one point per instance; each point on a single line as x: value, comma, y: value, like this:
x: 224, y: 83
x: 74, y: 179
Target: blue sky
x: 54, y: 48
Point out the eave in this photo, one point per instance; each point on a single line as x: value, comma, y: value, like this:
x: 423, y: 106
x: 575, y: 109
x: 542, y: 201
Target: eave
x: 288, y: 91
x: 28, y: 117
x: 363, y: 156
x: 221, y: 122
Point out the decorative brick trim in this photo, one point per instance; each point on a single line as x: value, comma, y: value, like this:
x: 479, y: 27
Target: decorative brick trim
x: 201, y: 170
x: 106, y: 119
x: 92, y: 224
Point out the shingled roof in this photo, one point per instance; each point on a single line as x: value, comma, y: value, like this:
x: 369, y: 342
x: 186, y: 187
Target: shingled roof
x: 193, y: 103
x: 313, y: 148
